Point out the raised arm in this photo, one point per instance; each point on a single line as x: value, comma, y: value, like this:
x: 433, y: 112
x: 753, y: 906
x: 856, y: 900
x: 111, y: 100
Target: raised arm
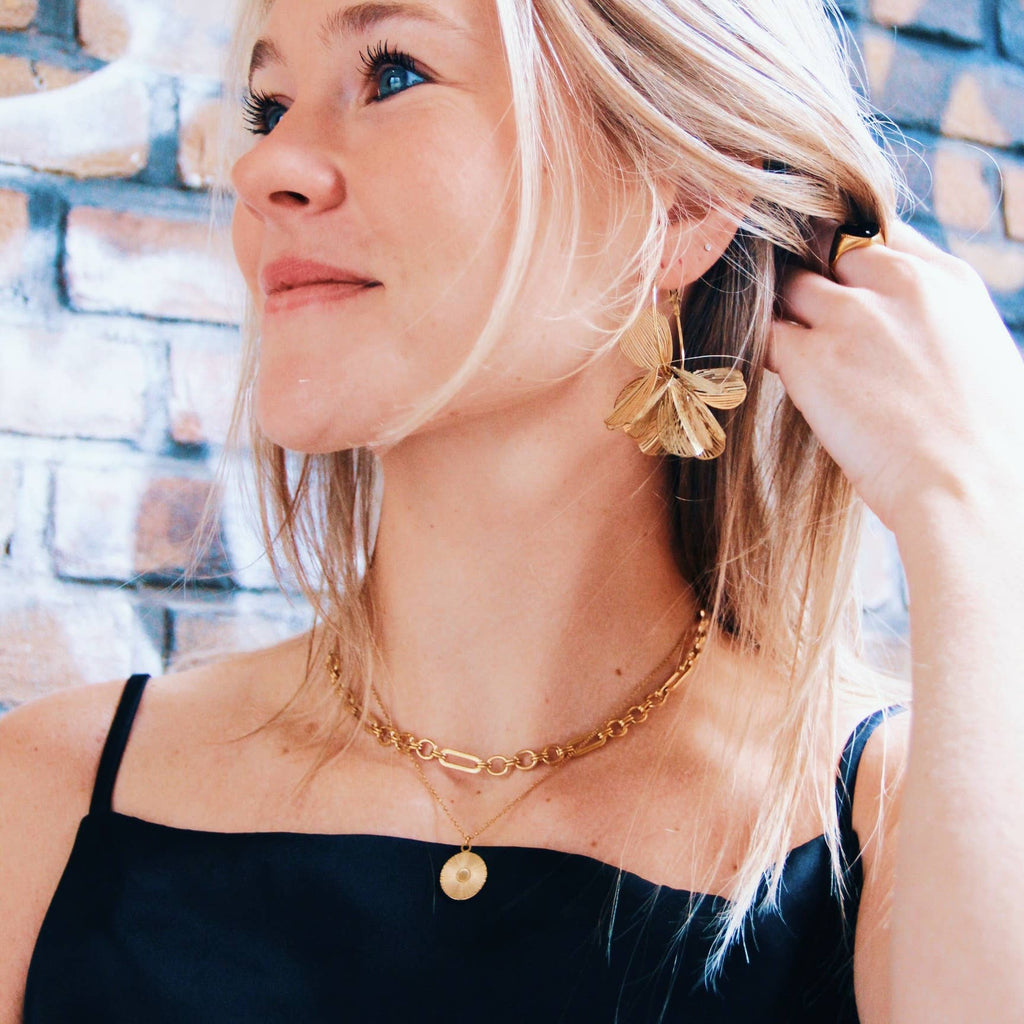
x: 907, y: 376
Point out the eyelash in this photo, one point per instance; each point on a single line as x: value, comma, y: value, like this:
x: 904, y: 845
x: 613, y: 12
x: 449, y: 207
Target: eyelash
x: 381, y: 56
x: 257, y: 106
x: 256, y: 109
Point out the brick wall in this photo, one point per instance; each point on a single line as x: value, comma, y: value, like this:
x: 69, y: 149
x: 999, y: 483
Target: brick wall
x: 118, y: 342
x: 118, y: 311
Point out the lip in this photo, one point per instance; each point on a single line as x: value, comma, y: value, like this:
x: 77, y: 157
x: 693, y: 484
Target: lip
x: 310, y: 294
x: 290, y: 272
x: 291, y: 281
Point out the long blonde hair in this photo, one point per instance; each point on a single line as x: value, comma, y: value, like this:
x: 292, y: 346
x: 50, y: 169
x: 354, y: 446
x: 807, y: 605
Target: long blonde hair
x: 746, y: 107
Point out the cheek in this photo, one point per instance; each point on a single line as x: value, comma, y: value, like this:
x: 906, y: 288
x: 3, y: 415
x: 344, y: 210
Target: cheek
x: 434, y: 224
x: 246, y: 238
x: 447, y: 210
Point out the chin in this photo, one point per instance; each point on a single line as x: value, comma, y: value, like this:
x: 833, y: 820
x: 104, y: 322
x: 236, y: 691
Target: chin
x: 305, y: 422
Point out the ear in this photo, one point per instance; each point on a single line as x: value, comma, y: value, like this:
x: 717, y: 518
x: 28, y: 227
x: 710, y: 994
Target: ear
x: 694, y: 243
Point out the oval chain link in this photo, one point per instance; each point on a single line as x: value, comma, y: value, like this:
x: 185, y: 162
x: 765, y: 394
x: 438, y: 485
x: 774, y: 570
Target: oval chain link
x: 498, y: 765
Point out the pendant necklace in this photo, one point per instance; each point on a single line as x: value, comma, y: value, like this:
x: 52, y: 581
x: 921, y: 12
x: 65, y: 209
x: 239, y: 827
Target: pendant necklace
x: 464, y: 874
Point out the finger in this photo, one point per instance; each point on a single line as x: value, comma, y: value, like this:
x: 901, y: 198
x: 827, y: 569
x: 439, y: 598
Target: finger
x: 807, y: 298
x: 904, y: 238
x: 873, y: 266
x: 785, y: 346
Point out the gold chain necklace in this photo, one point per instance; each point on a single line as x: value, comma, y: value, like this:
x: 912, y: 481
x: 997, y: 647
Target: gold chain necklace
x: 498, y: 765
x: 464, y: 874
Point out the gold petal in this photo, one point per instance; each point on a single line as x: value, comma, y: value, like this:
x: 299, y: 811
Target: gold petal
x: 720, y: 388
x: 648, y: 341
x: 634, y: 401
x: 645, y: 432
x: 687, y: 427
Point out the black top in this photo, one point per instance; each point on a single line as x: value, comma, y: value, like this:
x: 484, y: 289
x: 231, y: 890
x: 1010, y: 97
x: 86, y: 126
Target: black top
x: 155, y: 924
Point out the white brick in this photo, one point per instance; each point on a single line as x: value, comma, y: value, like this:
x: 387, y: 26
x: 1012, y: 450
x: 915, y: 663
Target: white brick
x: 202, y: 157
x: 183, y: 37
x: 119, y: 523
x: 80, y: 381
x: 204, y: 377
x: 9, y: 483
x: 14, y: 233
x: 150, y: 266
x: 50, y: 641
x: 97, y: 127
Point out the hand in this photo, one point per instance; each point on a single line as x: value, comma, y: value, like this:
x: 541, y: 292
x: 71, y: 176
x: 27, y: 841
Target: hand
x: 906, y: 374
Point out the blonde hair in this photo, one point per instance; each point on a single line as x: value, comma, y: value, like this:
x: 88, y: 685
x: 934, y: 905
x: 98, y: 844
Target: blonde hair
x: 746, y: 107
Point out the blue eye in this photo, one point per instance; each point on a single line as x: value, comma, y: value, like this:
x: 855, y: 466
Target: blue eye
x: 392, y: 71
x: 261, y: 113
x: 395, y: 79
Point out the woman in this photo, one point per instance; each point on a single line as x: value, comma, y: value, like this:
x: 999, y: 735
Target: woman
x: 451, y: 215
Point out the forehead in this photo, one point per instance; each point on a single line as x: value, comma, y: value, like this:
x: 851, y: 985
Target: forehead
x: 335, y: 21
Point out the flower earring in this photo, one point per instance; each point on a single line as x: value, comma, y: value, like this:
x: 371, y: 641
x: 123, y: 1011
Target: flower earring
x: 667, y: 409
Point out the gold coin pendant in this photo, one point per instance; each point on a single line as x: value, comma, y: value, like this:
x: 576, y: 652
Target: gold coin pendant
x: 463, y: 875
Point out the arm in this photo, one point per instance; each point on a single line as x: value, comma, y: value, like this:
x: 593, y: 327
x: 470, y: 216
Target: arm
x: 963, y: 823
x: 910, y: 381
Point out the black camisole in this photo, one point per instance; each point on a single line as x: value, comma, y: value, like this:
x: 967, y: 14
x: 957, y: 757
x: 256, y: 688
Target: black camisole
x: 153, y: 924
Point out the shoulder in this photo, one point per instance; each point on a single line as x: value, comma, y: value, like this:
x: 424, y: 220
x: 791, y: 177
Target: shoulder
x: 876, y: 817
x: 49, y: 747
x: 49, y: 750
x: 49, y: 754
x: 879, y: 778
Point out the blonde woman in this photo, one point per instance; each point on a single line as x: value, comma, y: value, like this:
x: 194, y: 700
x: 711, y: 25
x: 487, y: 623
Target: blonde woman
x: 564, y: 743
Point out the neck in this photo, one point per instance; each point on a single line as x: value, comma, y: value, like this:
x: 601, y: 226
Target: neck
x: 524, y: 574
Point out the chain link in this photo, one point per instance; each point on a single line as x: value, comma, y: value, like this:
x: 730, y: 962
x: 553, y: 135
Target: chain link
x: 500, y: 766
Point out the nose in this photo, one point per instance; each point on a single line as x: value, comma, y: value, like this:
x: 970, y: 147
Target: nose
x: 289, y: 172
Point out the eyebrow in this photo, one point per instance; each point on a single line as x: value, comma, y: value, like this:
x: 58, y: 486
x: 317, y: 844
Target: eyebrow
x: 350, y: 21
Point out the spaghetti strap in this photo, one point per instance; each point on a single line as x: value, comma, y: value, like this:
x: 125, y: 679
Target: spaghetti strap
x: 117, y: 740
x: 849, y: 764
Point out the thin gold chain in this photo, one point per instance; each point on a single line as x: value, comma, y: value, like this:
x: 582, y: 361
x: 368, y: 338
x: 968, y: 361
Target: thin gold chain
x: 467, y: 837
x: 553, y: 754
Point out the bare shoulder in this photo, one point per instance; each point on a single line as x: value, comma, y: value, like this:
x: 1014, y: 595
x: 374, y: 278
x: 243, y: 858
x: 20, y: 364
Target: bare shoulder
x: 876, y: 817
x: 49, y: 754
x: 879, y: 781
x: 49, y: 750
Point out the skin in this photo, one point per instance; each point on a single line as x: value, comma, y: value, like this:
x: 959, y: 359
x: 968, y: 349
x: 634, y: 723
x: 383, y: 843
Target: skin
x: 515, y: 504
x: 908, y: 377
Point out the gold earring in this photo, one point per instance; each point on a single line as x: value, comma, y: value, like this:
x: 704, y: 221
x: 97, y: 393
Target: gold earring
x: 667, y: 409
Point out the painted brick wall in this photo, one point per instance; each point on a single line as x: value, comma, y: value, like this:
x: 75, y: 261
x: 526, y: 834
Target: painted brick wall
x: 118, y: 340
x: 118, y: 309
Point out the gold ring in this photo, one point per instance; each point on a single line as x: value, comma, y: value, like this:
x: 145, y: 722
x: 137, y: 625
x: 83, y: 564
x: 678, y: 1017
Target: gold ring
x: 850, y: 237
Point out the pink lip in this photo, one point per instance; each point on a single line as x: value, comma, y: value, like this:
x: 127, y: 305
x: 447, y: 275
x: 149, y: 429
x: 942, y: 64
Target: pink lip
x: 309, y: 294
x: 291, y: 281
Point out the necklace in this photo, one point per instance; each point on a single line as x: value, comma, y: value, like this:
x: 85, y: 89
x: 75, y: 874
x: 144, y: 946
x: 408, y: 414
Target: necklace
x: 498, y: 765
x: 464, y: 874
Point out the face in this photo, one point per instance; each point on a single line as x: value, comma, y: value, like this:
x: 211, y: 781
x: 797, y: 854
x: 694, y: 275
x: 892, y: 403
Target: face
x: 376, y: 209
